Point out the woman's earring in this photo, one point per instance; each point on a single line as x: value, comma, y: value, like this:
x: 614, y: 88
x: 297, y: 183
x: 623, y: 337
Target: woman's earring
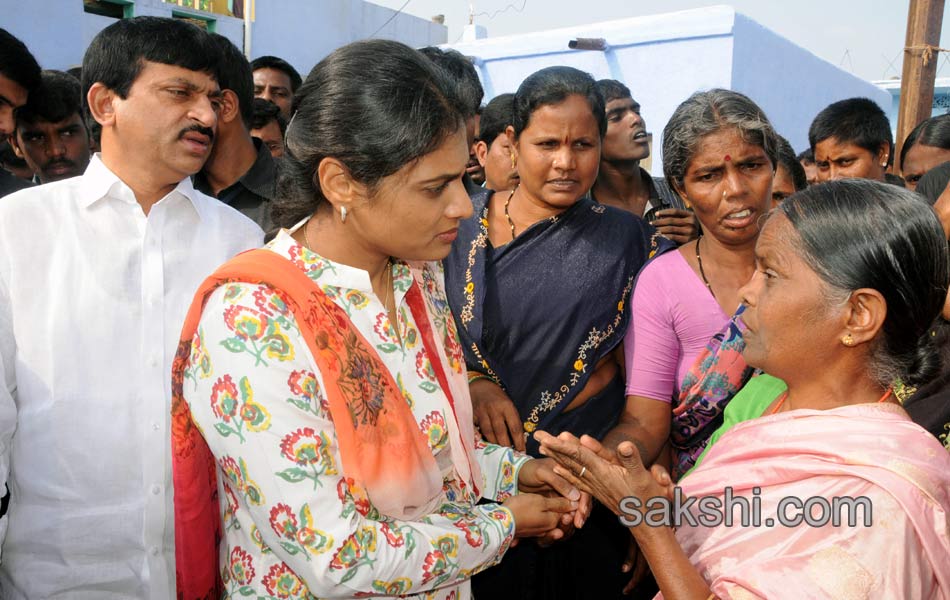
x: 343, y: 214
x: 512, y: 161
x: 847, y: 340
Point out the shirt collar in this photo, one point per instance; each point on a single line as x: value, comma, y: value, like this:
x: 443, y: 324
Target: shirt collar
x: 99, y: 182
x: 260, y: 179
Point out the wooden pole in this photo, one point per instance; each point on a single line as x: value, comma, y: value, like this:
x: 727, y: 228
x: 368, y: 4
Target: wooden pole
x: 924, y: 22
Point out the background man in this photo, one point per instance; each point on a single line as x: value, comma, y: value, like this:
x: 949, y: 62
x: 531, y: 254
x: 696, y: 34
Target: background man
x: 19, y: 73
x: 96, y: 274
x: 276, y: 80
x: 621, y: 181
x: 269, y: 126
x: 51, y: 133
x: 806, y: 159
x: 493, y: 149
x: 470, y: 93
x: 240, y: 170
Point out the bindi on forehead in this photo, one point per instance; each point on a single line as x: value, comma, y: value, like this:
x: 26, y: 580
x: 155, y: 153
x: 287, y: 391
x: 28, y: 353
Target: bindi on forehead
x: 727, y: 158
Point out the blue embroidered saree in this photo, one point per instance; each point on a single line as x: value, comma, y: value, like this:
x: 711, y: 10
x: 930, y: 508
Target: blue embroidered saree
x: 538, y: 314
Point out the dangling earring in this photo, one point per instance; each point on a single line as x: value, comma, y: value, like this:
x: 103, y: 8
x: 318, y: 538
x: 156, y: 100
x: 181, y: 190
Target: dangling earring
x: 343, y: 214
x: 686, y: 202
x: 512, y: 160
x: 847, y: 340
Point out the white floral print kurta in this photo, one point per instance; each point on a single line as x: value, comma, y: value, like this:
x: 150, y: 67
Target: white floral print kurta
x: 295, y: 525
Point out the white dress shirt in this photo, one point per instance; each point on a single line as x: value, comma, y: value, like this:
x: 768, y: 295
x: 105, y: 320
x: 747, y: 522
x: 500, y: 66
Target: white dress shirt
x: 93, y: 294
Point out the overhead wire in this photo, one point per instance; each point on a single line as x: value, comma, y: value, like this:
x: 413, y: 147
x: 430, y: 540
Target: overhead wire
x: 390, y: 20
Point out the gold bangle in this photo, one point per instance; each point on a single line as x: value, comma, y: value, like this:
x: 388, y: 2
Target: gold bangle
x: 475, y: 376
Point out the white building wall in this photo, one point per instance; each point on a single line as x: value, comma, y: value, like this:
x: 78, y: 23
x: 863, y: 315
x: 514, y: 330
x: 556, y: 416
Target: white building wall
x: 665, y: 58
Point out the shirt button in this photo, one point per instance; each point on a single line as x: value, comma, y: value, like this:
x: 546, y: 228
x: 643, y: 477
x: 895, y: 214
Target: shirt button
x: 154, y: 550
x: 156, y: 489
x: 153, y: 362
x: 156, y: 426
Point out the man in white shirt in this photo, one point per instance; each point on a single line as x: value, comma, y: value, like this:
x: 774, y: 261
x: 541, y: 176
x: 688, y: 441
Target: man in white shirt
x: 96, y: 275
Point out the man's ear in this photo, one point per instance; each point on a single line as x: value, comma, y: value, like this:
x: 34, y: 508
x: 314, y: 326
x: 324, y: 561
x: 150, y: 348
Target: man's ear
x: 11, y: 139
x: 512, y: 141
x: 101, y: 101
x: 230, y: 107
x: 481, y: 152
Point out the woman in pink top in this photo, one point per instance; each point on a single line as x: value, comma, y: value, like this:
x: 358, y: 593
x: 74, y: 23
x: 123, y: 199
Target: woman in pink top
x: 719, y: 154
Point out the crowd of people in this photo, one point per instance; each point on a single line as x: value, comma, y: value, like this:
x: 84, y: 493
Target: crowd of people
x: 359, y: 335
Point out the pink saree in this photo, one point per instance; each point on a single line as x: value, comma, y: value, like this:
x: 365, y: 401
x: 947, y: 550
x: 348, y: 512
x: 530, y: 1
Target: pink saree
x: 868, y: 450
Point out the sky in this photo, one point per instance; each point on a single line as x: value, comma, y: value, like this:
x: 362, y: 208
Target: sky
x: 864, y: 37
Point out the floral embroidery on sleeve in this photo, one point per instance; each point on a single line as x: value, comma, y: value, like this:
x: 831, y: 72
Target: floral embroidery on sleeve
x: 237, y: 414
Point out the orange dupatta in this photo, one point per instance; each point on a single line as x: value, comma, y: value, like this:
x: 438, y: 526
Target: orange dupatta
x: 381, y: 445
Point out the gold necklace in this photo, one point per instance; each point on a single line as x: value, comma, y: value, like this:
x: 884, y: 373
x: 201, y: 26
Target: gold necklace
x: 389, y: 288
x: 511, y: 223
x: 306, y: 235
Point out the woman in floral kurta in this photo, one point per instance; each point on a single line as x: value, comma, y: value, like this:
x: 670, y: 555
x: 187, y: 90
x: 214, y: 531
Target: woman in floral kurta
x: 294, y: 524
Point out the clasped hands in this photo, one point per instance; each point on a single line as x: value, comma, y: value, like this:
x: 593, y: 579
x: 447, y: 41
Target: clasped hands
x: 609, y: 477
x: 548, y: 507
x: 606, y: 475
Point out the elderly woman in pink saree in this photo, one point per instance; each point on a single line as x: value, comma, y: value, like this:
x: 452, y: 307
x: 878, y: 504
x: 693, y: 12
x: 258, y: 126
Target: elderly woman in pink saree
x: 849, y: 278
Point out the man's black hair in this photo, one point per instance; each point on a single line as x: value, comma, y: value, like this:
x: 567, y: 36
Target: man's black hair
x: 468, y: 87
x: 496, y: 117
x: 118, y: 53
x: 234, y: 73
x: 806, y: 156
x: 279, y: 64
x: 266, y: 111
x: 16, y: 62
x: 57, y: 98
x: 859, y: 121
x: 611, y: 89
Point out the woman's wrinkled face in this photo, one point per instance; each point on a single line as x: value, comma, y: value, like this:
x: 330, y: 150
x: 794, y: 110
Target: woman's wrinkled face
x: 558, y: 153
x: 728, y: 183
x: 789, y: 324
x: 414, y: 213
x: 920, y: 159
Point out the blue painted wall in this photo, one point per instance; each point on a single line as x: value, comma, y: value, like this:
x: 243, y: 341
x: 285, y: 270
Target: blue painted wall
x: 301, y: 31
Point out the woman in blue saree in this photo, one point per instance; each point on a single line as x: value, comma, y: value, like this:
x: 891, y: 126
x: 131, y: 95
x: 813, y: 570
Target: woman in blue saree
x: 539, y: 280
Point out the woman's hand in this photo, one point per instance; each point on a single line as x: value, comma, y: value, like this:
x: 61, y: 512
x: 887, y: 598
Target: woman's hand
x: 537, y: 515
x: 496, y: 415
x: 537, y: 476
x: 608, y: 481
x: 676, y: 224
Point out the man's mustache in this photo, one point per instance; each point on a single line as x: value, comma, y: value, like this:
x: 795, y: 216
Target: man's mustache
x: 207, y: 131
x: 56, y: 162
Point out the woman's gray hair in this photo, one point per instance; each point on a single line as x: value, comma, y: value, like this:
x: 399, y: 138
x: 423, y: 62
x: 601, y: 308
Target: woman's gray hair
x: 705, y: 113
